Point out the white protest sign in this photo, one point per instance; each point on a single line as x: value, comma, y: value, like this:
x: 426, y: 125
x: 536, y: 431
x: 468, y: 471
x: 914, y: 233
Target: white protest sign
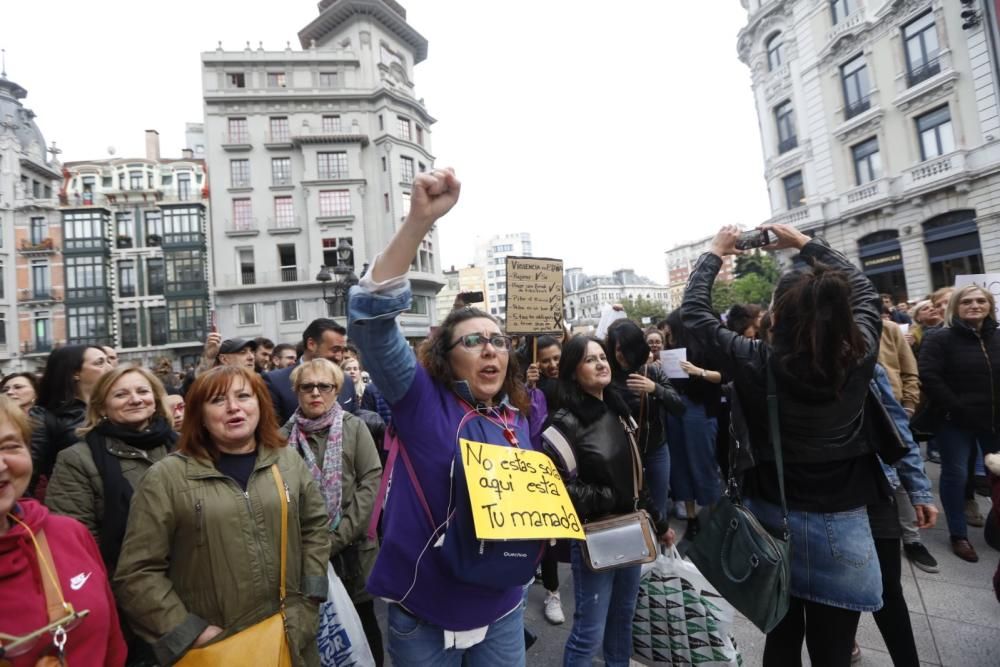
x: 904, y: 328
x: 988, y: 281
x: 671, y: 362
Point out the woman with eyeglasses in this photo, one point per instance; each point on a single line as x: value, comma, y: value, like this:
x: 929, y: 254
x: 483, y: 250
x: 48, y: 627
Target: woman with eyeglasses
x: 452, y: 597
x: 341, y: 455
x: 53, y: 586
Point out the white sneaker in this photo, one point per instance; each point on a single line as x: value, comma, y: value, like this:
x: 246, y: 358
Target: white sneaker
x: 553, y: 609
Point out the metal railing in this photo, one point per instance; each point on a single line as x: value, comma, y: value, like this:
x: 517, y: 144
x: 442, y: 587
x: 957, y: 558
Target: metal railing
x: 923, y: 72
x: 852, y: 109
x: 788, y: 144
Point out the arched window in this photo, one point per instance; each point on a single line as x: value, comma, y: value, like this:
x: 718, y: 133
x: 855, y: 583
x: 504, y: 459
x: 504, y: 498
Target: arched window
x: 952, y: 242
x: 882, y: 261
x: 775, y: 46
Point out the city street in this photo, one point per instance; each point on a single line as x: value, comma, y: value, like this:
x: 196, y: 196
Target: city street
x: 954, y: 613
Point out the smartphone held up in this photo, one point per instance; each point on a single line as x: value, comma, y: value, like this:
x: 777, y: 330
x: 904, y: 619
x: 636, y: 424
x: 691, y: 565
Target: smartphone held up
x: 755, y: 238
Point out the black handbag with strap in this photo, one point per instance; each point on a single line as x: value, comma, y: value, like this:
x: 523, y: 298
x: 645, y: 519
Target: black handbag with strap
x: 746, y: 564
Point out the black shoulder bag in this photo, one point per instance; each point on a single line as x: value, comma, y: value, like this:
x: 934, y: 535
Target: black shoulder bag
x: 748, y: 565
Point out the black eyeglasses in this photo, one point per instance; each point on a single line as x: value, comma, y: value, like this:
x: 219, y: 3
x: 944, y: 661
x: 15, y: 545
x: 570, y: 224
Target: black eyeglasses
x: 309, y: 387
x: 476, y: 341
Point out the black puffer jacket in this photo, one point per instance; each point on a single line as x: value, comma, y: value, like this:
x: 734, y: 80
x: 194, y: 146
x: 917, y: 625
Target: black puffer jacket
x: 604, y: 485
x: 52, y: 432
x: 960, y: 374
x: 649, y: 410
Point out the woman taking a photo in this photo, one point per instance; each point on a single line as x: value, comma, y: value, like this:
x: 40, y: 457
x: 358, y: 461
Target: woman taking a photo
x: 70, y: 375
x: 960, y: 374
x: 593, y: 420
x: 822, y: 349
x: 202, y: 554
x: 34, y: 545
x: 342, y: 458
x: 22, y: 388
x: 464, y: 386
x: 126, y: 431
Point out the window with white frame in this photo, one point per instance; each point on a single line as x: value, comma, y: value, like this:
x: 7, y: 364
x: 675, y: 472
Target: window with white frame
x: 289, y: 310
x: 775, y: 51
x: 332, y: 166
x: 284, y: 212
x: 334, y: 203
x: 281, y: 171
x: 275, y: 79
x: 331, y: 124
x: 246, y: 314
x: 407, y: 167
x: 935, y: 133
x: 327, y: 79
x: 239, y: 173
x: 867, y: 163
x: 279, y: 128
x: 403, y: 127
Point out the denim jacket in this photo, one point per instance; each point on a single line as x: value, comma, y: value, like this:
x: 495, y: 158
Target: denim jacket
x: 910, y: 469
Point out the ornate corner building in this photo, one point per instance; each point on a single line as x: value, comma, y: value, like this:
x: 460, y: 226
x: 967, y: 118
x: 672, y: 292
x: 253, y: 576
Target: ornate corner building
x: 31, y: 310
x: 880, y: 131
x: 314, y: 152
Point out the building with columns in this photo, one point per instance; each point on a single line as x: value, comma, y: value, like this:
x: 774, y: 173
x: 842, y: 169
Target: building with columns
x: 313, y: 153
x: 880, y: 131
x: 31, y: 277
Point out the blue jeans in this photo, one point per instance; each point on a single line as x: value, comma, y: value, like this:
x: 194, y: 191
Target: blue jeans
x: 959, y: 449
x: 605, y: 604
x: 657, y: 465
x: 694, y: 473
x: 415, y: 643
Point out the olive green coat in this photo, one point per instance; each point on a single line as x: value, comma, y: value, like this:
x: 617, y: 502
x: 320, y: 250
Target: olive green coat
x: 76, y: 489
x: 199, y: 551
x: 351, y: 552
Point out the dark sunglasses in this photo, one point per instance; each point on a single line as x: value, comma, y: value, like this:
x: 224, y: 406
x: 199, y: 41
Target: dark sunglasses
x: 309, y: 387
x: 475, y: 341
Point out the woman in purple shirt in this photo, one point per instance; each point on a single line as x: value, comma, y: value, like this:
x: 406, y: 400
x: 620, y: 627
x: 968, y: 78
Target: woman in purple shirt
x: 441, y: 612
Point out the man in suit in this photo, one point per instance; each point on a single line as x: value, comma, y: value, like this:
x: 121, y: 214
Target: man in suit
x: 322, y: 339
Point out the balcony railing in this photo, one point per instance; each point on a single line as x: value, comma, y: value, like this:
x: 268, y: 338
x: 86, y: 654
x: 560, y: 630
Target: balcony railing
x: 332, y: 175
x: 866, y: 195
x: 42, y: 346
x: 123, y: 242
x: 236, y: 140
x: 923, y: 72
x: 281, y: 181
x: 283, y: 224
x: 852, y: 109
x: 788, y: 144
x: 44, y: 247
x: 242, y: 227
x: 39, y: 294
x: 126, y: 290
x: 288, y: 274
x: 278, y: 138
x: 240, y: 183
x: 935, y: 169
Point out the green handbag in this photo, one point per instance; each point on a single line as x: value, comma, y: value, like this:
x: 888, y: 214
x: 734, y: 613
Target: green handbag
x: 748, y: 565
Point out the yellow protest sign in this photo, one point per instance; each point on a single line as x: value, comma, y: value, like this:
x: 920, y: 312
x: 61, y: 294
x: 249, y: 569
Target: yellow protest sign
x: 517, y: 494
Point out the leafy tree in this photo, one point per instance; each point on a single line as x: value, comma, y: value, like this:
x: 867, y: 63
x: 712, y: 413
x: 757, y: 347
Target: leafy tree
x: 759, y: 263
x: 723, y: 296
x: 752, y: 288
x: 636, y: 309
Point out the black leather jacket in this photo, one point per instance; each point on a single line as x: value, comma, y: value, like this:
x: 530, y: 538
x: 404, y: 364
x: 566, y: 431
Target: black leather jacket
x: 650, y: 410
x: 604, y: 485
x: 51, y: 433
x: 818, y: 424
x: 960, y: 373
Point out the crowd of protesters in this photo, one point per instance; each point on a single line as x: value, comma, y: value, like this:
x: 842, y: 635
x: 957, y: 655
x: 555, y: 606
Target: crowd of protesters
x: 146, y: 515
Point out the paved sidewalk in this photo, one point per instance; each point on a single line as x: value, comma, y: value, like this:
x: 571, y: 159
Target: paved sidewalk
x: 955, y: 615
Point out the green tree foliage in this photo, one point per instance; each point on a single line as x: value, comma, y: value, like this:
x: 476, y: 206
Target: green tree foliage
x: 759, y: 263
x: 636, y: 309
x: 752, y: 288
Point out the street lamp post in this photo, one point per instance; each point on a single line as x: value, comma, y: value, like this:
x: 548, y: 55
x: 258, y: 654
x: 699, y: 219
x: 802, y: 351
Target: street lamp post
x: 345, y: 278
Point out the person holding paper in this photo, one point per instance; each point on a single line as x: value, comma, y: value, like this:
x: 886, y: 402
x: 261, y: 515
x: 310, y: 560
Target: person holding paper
x: 453, y: 598
x: 694, y: 476
x: 650, y: 397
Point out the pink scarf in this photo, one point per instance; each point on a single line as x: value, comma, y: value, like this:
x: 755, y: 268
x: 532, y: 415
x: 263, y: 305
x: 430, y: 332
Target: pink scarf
x: 330, y: 476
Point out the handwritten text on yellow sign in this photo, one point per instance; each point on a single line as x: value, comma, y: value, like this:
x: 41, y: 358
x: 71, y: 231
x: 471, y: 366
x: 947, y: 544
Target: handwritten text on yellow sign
x: 517, y: 494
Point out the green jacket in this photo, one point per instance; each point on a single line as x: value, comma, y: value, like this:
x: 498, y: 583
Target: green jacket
x: 199, y: 551
x: 351, y: 552
x: 76, y: 489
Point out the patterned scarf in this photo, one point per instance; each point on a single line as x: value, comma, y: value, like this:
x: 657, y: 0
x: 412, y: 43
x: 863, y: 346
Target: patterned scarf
x: 329, y: 478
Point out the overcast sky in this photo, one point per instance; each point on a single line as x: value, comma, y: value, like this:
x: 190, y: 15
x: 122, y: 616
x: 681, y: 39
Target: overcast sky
x: 609, y: 131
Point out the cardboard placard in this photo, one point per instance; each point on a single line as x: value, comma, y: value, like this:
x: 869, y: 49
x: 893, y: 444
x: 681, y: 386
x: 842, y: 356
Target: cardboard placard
x: 517, y: 494
x: 534, y: 295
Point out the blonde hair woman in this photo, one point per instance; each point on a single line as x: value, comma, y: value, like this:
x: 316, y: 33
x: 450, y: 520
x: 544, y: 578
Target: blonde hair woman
x: 341, y: 455
x: 960, y: 374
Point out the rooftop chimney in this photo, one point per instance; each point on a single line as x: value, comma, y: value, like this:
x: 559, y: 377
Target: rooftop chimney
x: 188, y: 153
x: 153, y: 145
